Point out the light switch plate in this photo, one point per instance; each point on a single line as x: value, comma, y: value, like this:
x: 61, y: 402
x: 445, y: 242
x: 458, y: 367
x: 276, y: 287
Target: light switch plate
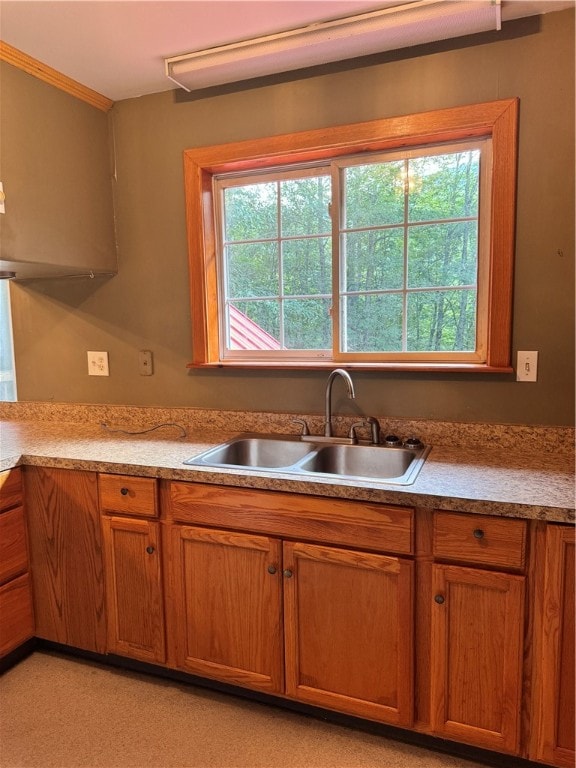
x: 527, y: 366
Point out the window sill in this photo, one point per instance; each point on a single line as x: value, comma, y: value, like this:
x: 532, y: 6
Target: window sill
x: 383, y: 367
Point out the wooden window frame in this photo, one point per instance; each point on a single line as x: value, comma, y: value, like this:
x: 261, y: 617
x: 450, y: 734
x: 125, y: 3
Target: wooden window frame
x: 496, y: 119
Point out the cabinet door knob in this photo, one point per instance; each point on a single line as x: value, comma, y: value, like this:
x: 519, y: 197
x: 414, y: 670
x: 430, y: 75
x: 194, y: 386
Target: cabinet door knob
x: 124, y: 491
x: 150, y: 550
x: 439, y: 599
x: 272, y: 569
x: 288, y: 573
x: 478, y: 533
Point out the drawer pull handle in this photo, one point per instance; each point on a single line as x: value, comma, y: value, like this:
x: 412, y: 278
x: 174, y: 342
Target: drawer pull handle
x: 150, y: 550
x: 272, y: 569
x: 439, y: 599
x: 288, y: 573
x: 124, y: 491
x: 478, y: 533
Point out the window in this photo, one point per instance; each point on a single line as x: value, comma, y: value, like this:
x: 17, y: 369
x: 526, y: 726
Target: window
x: 397, y: 235
x: 275, y: 262
x: 7, y: 374
x: 384, y: 244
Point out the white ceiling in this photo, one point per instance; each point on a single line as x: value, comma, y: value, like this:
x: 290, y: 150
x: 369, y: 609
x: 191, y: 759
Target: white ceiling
x: 118, y: 47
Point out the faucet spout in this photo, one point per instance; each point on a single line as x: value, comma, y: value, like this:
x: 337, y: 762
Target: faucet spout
x: 328, y: 431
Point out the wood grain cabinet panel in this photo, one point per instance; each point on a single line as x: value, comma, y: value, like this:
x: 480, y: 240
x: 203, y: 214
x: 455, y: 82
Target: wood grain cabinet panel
x: 339, y: 622
x: 127, y: 495
x: 488, y: 541
x: 555, y: 681
x: 357, y: 524
x: 228, y: 597
x: 66, y: 557
x: 16, y: 614
x: 10, y: 488
x: 348, y: 627
x: 135, y: 606
x: 16, y: 610
x: 13, y: 548
x: 476, y: 656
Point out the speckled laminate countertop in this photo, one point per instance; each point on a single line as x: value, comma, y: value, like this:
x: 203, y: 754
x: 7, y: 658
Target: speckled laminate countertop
x: 511, y: 474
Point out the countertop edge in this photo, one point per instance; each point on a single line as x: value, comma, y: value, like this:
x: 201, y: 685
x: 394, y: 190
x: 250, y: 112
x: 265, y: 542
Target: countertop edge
x: 404, y: 496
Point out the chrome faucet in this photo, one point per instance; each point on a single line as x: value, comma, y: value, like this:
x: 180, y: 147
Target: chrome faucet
x: 351, y: 394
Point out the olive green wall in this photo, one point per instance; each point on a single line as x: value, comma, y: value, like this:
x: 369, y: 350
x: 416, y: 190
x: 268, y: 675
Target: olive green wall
x: 146, y: 306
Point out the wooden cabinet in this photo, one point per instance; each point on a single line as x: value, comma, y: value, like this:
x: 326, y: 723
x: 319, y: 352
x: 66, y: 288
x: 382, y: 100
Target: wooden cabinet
x: 134, y: 598
x: 16, y: 611
x: 66, y: 557
x: 456, y: 625
x: 16, y: 614
x: 476, y: 664
x: 127, y: 495
x: 50, y: 140
x: 132, y: 555
x: 349, y: 631
x: 13, y: 548
x: 554, y: 652
x: 338, y: 620
x: 228, y: 598
x: 477, y: 631
x: 10, y: 489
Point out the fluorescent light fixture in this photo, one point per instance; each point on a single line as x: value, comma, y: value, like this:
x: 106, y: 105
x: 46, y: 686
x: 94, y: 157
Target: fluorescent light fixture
x: 390, y: 28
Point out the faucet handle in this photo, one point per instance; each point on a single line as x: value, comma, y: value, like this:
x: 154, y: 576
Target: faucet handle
x: 374, y: 425
x: 305, y: 431
x: 352, y: 434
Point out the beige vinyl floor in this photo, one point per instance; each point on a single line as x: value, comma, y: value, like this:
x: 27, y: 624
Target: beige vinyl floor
x: 61, y: 712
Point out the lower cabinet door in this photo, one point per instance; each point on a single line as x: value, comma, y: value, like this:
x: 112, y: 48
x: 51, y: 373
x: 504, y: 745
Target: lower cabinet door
x: 555, y: 662
x: 134, y: 588
x: 228, y: 609
x: 66, y: 561
x: 476, y: 656
x: 349, y: 626
x: 16, y: 614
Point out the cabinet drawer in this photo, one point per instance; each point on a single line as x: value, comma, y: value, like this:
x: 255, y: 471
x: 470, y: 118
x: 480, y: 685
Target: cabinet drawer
x: 128, y: 495
x: 379, y: 527
x: 16, y: 614
x: 496, y: 541
x: 13, y: 552
x: 10, y: 488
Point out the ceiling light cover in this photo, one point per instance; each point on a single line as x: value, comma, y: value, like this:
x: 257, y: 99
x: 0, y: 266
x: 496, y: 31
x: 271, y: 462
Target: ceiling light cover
x: 399, y: 26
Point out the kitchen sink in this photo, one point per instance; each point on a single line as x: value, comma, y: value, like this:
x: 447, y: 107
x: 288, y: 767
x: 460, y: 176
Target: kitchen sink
x: 365, y: 461
x: 291, y: 455
x: 262, y: 452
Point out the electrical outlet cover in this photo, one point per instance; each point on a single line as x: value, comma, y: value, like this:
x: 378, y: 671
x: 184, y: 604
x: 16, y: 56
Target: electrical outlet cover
x: 98, y: 364
x: 145, y: 363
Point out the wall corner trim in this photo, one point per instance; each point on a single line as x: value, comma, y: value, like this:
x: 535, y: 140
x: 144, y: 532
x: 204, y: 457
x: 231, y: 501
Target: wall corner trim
x: 43, y: 72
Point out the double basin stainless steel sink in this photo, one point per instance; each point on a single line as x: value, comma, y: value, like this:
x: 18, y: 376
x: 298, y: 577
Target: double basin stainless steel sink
x: 291, y: 455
